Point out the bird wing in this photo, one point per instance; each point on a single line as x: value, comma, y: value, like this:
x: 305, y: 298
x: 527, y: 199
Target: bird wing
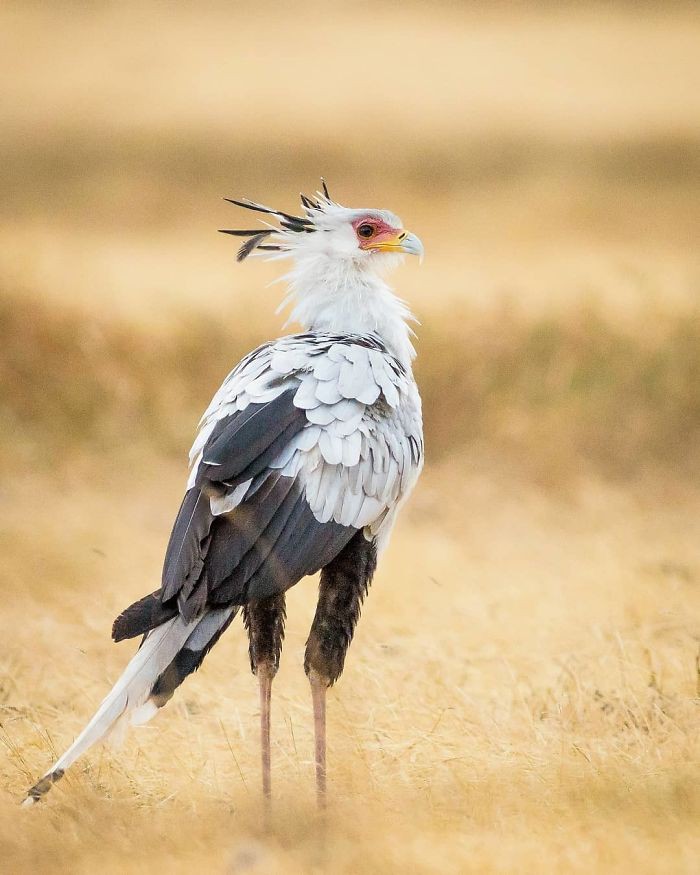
x: 308, y: 440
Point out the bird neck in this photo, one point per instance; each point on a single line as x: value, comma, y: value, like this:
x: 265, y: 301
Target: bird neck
x: 344, y: 297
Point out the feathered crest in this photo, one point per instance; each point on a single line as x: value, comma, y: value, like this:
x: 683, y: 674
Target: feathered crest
x: 296, y: 224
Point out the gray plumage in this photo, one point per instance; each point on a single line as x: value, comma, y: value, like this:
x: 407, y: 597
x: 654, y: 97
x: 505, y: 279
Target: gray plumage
x: 299, y: 465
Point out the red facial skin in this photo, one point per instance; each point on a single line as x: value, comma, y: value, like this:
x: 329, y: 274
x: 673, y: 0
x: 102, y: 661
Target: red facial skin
x: 383, y: 233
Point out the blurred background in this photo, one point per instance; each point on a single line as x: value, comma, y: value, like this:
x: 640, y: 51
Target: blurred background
x: 524, y: 680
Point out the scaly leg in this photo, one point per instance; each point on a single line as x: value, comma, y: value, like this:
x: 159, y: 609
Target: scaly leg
x: 344, y: 584
x: 319, y: 687
x: 265, y: 682
x: 264, y: 621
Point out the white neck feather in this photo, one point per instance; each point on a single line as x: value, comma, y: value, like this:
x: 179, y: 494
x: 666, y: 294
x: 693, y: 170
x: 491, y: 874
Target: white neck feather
x: 347, y: 297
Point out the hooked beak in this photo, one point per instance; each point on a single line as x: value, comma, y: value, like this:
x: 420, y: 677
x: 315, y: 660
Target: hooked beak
x: 404, y: 241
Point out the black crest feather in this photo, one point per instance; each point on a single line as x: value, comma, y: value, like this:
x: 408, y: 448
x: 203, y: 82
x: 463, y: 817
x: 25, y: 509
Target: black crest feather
x: 251, y: 244
x: 309, y: 203
x: 261, y: 208
x: 288, y: 222
x: 241, y: 233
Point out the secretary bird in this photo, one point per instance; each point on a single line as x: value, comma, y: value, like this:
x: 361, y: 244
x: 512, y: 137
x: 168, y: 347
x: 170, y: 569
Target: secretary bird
x: 301, y: 463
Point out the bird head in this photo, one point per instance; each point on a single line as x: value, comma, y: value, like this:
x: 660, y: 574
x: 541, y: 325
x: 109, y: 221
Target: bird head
x: 370, y: 240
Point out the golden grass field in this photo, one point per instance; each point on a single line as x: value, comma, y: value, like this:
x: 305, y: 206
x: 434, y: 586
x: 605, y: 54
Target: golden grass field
x: 523, y: 691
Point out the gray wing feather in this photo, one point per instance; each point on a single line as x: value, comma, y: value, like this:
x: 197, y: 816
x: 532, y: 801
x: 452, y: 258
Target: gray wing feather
x: 336, y: 353
x: 289, y: 360
x: 371, y: 510
x: 306, y: 397
x: 385, y: 377
x: 328, y: 392
x: 328, y: 491
x: 351, y: 449
x: 331, y: 448
x: 325, y: 368
x: 308, y: 438
x: 351, y: 504
x: 321, y: 415
x: 355, y: 381
x: 221, y: 504
x: 349, y: 410
x: 313, y: 481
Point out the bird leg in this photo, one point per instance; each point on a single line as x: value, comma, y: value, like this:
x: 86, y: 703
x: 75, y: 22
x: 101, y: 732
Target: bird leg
x: 343, y: 586
x: 264, y: 621
x: 265, y: 683
x: 319, y: 687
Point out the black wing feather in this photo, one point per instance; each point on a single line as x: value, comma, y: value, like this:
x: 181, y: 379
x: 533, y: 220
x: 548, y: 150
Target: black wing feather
x: 261, y: 547
x: 184, y: 556
x: 237, y: 535
x: 239, y: 439
x: 142, y: 616
x: 204, y: 549
x: 304, y: 547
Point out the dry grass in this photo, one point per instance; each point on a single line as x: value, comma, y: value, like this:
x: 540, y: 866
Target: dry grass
x: 522, y: 694
x: 522, y: 689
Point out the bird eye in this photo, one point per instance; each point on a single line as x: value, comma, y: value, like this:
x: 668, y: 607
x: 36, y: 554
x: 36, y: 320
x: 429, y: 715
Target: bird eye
x: 365, y: 231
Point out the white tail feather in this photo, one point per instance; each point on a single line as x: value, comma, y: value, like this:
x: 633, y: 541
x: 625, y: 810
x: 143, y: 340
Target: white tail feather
x: 128, y: 701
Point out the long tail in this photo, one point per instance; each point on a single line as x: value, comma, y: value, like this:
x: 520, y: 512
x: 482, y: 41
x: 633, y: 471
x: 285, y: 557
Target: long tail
x: 167, y: 655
